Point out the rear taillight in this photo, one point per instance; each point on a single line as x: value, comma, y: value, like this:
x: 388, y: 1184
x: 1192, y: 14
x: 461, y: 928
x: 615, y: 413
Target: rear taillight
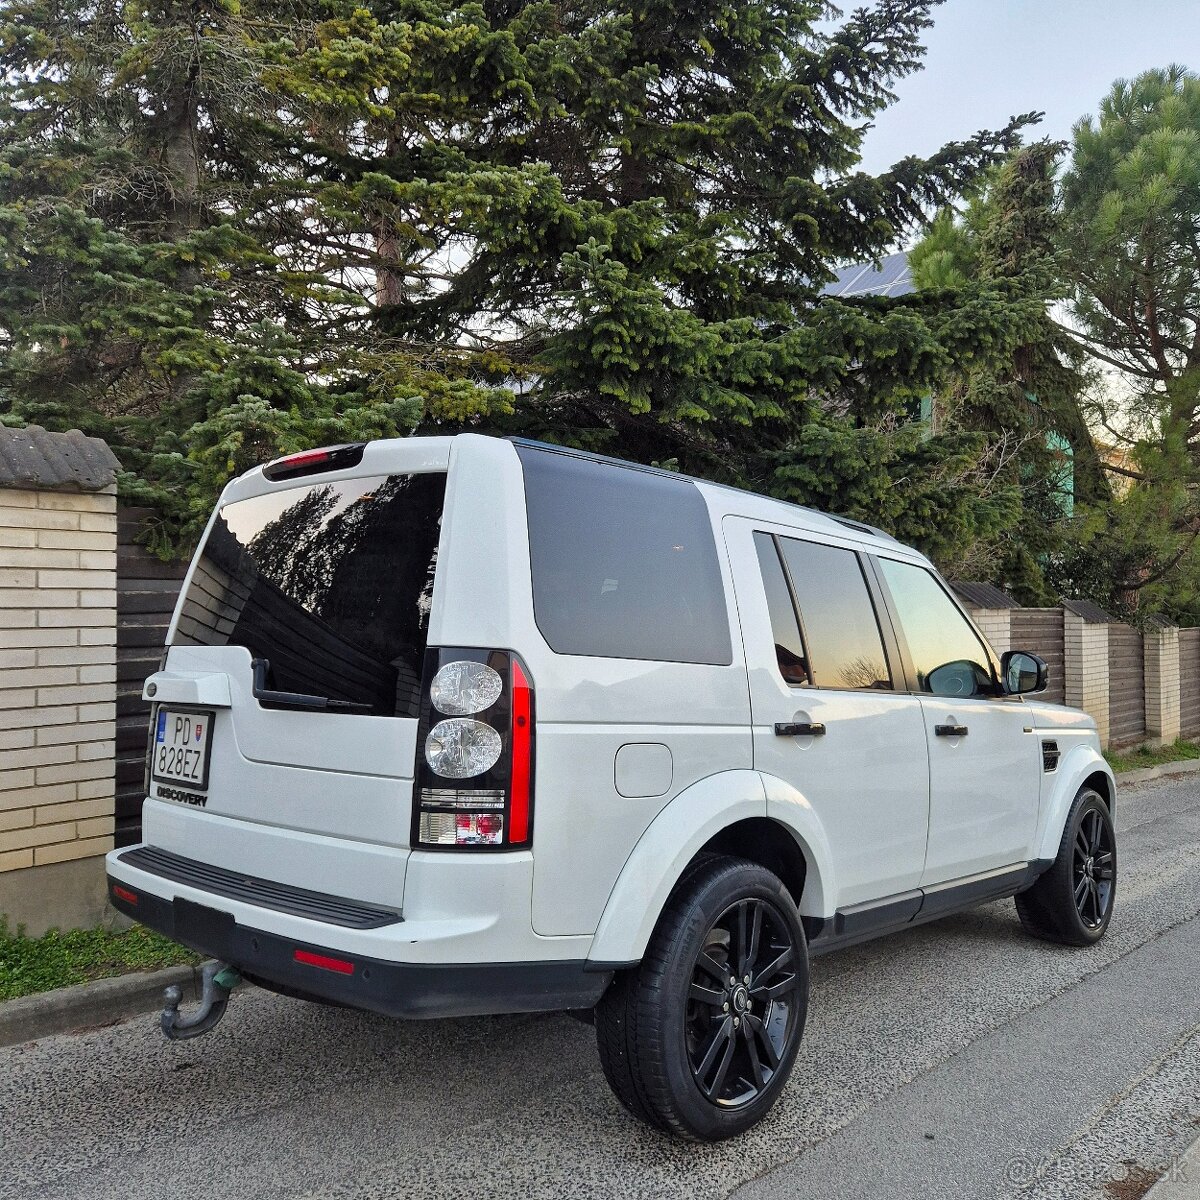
x: 475, y: 744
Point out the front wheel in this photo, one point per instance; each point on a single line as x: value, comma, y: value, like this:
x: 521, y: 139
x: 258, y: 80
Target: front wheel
x: 699, y: 1039
x: 1072, y: 902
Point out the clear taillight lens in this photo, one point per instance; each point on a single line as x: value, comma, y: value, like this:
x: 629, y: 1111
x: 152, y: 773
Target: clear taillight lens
x: 462, y: 829
x: 461, y: 748
x: 463, y: 688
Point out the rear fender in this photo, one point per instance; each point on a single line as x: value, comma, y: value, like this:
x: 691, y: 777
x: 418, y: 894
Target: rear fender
x: 674, y: 839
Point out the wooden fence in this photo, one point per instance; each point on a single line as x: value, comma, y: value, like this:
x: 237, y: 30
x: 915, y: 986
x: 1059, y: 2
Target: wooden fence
x: 1041, y: 630
x: 1189, y: 682
x: 146, y: 593
x: 1126, y: 685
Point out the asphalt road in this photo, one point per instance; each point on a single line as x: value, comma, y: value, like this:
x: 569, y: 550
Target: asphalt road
x: 961, y: 1059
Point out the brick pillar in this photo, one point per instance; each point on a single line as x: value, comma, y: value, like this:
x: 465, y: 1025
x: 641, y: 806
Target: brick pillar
x: 996, y: 625
x: 58, y: 676
x: 1162, y: 683
x: 1085, y: 668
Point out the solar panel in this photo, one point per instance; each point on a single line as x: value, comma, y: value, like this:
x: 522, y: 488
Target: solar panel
x: 892, y: 277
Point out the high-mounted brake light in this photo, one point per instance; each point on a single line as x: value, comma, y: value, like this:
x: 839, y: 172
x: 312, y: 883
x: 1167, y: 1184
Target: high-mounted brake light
x: 312, y: 462
x: 475, y: 752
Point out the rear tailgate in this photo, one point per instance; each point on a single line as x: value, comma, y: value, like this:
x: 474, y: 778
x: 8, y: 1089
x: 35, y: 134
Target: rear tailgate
x: 297, y: 645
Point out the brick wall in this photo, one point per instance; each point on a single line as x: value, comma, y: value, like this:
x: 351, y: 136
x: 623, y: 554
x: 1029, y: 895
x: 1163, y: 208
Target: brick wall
x: 58, y: 579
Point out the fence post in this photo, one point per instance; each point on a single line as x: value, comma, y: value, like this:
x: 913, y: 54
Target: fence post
x: 1085, y: 667
x: 58, y: 578
x: 1162, y: 682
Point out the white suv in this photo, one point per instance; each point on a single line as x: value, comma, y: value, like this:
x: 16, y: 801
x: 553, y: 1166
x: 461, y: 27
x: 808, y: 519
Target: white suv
x: 461, y: 725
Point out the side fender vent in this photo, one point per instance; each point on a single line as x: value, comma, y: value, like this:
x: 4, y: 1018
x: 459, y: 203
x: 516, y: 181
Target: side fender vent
x: 1050, y: 756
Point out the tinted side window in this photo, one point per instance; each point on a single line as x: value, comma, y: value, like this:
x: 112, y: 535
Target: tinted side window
x: 624, y: 562
x: 785, y: 629
x: 840, y: 628
x: 948, y: 657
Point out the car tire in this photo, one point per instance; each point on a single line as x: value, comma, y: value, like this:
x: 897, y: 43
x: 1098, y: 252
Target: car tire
x: 1072, y: 902
x: 699, y: 1039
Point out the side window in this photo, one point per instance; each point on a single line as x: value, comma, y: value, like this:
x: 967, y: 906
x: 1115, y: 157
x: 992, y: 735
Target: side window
x: 838, y: 618
x: 948, y: 657
x: 785, y: 629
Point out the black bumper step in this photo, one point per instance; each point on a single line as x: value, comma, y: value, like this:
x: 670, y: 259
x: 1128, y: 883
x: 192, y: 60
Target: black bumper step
x: 282, y: 897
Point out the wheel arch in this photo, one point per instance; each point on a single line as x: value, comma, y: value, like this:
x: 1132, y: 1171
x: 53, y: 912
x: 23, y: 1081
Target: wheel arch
x: 1082, y: 766
x: 725, y: 813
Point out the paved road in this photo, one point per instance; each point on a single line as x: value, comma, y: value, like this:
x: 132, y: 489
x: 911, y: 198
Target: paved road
x: 958, y: 1060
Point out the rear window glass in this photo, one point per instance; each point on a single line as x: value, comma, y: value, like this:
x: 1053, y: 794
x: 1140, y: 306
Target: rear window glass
x: 624, y: 562
x: 331, y: 583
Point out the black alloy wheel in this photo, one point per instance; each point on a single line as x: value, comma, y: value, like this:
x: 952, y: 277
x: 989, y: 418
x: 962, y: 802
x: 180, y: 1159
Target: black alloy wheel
x: 700, y: 1037
x: 1072, y: 902
x: 1094, y: 868
x: 742, y: 1002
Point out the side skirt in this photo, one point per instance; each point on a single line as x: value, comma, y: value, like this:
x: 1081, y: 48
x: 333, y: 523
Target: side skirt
x: 861, y: 922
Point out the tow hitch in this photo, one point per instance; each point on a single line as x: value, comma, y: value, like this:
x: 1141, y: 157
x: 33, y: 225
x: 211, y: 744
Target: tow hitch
x: 217, y: 981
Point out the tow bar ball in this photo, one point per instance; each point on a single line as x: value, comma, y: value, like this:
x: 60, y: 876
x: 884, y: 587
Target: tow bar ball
x: 217, y: 981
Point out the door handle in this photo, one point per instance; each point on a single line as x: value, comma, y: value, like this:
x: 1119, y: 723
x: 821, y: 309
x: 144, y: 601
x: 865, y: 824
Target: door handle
x: 799, y: 729
x: 950, y: 730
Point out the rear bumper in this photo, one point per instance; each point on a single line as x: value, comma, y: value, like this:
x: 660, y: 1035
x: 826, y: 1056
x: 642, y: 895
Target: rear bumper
x: 412, y: 990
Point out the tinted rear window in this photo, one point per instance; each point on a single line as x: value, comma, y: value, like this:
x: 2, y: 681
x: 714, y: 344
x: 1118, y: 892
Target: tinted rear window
x: 624, y: 562
x: 331, y: 583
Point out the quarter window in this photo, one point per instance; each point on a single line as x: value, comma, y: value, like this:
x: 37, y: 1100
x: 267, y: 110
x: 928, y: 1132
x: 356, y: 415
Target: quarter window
x: 840, y: 629
x: 624, y: 562
x: 948, y: 656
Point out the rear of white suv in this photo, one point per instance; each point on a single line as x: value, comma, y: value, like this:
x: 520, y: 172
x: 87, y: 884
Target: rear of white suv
x: 294, y: 822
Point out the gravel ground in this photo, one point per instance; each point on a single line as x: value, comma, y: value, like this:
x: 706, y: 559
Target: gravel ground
x: 960, y: 1059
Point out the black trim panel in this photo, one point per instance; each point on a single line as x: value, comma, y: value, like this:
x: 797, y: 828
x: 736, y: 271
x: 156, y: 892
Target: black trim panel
x: 264, y: 893
x: 412, y: 990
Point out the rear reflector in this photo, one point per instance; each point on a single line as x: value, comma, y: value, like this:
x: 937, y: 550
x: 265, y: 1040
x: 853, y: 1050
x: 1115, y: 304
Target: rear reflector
x: 309, y: 959
x: 124, y: 894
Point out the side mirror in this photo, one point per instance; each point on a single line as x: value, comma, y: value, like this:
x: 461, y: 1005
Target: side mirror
x: 1023, y: 672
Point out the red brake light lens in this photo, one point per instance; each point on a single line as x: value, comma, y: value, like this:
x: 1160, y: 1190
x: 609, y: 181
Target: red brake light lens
x: 312, y: 462
x: 522, y: 755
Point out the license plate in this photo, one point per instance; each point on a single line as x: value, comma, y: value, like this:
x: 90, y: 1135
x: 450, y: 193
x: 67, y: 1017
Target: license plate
x: 182, y: 741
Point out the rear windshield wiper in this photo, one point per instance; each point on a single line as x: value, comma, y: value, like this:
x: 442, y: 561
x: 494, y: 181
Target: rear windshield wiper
x: 260, y: 667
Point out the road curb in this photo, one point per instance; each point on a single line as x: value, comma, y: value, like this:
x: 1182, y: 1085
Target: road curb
x: 1163, y: 771
x: 101, y: 1002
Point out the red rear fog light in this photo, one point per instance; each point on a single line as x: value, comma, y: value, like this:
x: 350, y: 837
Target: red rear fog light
x: 124, y: 894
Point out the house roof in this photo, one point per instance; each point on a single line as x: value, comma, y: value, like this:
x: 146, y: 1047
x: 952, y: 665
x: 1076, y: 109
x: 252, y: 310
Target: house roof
x: 891, y: 276
x: 61, y: 462
x: 982, y: 595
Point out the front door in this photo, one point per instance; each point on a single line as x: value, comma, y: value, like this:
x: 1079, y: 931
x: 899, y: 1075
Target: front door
x: 830, y: 714
x: 984, y: 761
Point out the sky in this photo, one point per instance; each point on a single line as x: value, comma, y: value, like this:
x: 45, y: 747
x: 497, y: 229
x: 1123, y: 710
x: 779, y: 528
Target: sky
x: 988, y: 60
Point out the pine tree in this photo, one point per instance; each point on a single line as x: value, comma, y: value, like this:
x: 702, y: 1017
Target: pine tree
x: 231, y: 230
x: 1032, y: 399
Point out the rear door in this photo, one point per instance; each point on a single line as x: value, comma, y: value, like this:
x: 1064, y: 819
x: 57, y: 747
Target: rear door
x: 984, y: 762
x: 308, y: 606
x: 819, y: 658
